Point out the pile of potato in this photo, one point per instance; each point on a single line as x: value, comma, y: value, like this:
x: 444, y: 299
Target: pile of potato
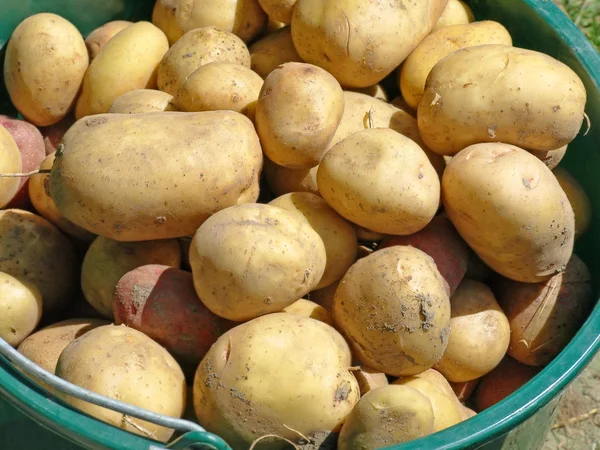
x: 318, y: 222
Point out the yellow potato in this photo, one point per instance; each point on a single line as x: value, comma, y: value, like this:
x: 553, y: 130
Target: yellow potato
x: 375, y: 91
x: 279, y: 10
x: 274, y: 49
x: 20, y: 308
x: 273, y: 25
x: 551, y: 157
x: 380, y: 180
x: 44, y: 66
x: 456, y: 12
x: 297, y: 114
x: 142, y: 101
x: 163, y: 16
x: 369, y: 379
x: 283, y: 180
x: 10, y: 162
x: 400, y: 103
x: 127, y: 62
x: 310, y: 309
x: 510, y: 209
x: 579, y: 200
x: 440, y: 44
x: 499, y: 93
x: 196, y: 48
x: 98, y: 38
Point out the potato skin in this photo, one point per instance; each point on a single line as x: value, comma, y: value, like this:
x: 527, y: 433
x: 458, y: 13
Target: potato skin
x: 297, y: 114
x: 310, y: 309
x: 579, y: 200
x: 254, y: 259
x: 456, y: 12
x: 98, y: 38
x: 142, y: 101
x: 389, y: 186
x: 536, y: 102
x: 361, y: 43
x: 126, y: 63
x: 369, y: 379
x: 20, y: 308
x: 479, y: 334
x: 44, y: 66
x: 279, y: 10
x: 161, y: 302
x: 106, y: 261
x: 35, y: 250
x: 219, y: 153
x: 386, y: 416
x: 393, y: 308
x: 124, y: 364
x: 10, y: 162
x: 282, y: 180
x: 551, y: 157
x: 510, y: 209
x: 239, y: 395
x: 271, y: 51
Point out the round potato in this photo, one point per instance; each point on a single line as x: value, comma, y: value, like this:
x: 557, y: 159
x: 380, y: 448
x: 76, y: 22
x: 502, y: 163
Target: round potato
x: 510, y: 209
x: 484, y: 93
x: 141, y: 101
x: 282, y: 180
x: 97, y: 39
x: 20, y: 308
x: 279, y: 10
x: 33, y: 249
x: 393, y: 307
x: 579, y: 200
x: 380, y: 180
x: 298, y: 111
x: 273, y: 50
x: 260, y: 378
x: 254, y: 259
x: 310, y: 309
x: 106, y: 261
x: 44, y: 66
x: 479, y: 333
x: 361, y: 43
x: 387, y: 416
x: 337, y: 234
x: 10, y: 162
x: 456, y: 12
x: 126, y: 365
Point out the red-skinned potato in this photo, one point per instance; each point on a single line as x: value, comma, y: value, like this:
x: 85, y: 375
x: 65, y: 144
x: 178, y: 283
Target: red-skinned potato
x: 54, y: 133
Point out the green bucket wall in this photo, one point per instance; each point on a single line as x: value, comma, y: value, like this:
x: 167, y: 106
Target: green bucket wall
x: 32, y: 418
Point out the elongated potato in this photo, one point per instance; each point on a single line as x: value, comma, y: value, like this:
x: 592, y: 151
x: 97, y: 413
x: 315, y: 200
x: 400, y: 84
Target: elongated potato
x: 274, y: 49
x: 510, y: 209
x: 142, y: 101
x: 20, y: 308
x: 44, y: 66
x: 579, y: 200
x: 10, y: 162
x: 97, y: 39
x: 218, y: 159
x: 456, y: 12
x: 361, y: 43
x: 282, y: 180
x: 499, y: 93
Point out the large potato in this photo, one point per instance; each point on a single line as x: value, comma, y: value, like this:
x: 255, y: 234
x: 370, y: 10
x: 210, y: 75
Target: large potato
x: 579, y: 200
x: 499, y: 93
x: 124, y: 364
x: 254, y: 259
x: 456, y: 12
x: 106, y: 261
x: 440, y: 44
x: 20, y: 308
x: 338, y: 235
x: 97, y: 39
x: 361, y: 43
x: 387, y: 416
x: 380, y: 180
x: 393, y: 307
x: 10, y: 162
x: 271, y: 51
x: 141, y: 101
x: 282, y: 180
x: 127, y: 62
x: 298, y: 111
x: 510, y: 209
x: 479, y: 333
x: 196, y: 48
x: 99, y: 180
x: 44, y: 66
x: 33, y: 249
x: 265, y: 377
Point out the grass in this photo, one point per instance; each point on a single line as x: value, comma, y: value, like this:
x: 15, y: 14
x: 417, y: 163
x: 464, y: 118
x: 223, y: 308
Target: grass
x: 586, y: 15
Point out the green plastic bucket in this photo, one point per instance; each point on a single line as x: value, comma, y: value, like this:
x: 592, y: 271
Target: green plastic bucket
x: 32, y: 418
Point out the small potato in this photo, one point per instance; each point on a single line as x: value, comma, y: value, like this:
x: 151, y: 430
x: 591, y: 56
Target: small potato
x: 387, y: 416
x: 545, y: 316
x: 220, y: 86
x: 456, y: 12
x: 254, y: 259
x: 196, y: 48
x: 337, y: 234
x: 10, y: 162
x: 33, y: 249
x: 298, y: 111
x: 265, y: 377
x: 380, y: 180
x: 39, y: 194
x: 97, y: 39
x: 160, y: 301
x: 393, y: 307
x: 20, y: 308
x: 141, y: 101
x: 375, y: 91
x: 510, y: 209
x: 440, y: 44
x: 325, y: 296
x: 551, y: 157
x: 579, y: 200
x: 499, y: 93
x: 369, y: 379
x: 273, y: 50
x: 365, y: 235
x: 126, y: 365
x: 465, y: 389
x: 439, y: 240
x: 310, y: 309
x: 106, y: 261
x: 126, y: 63
x: 44, y: 66
x: 280, y: 10
x: 479, y: 334
x: 283, y: 180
